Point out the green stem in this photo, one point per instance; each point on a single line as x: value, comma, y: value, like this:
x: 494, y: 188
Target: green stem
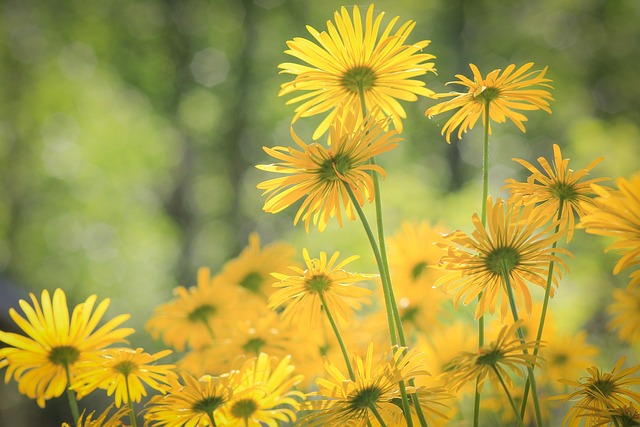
x: 545, y: 304
x: 511, y: 402
x: 71, y: 396
x: 212, y: 419
x: 132, y: 412
x: 373, y: 409
x: 345, y: 355
x: 530, y: 377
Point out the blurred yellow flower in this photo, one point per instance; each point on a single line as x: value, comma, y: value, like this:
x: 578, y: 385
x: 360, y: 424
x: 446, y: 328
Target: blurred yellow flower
x: 322, y: 286
x: 600, y: 391
x: 87, y: 420
x: 566, y: 356
x: 558, y: 188
x: 515, y: 245
x: 123, y: 372
x: 264, y: 393
x: 196, y: 313
x: 194, y: 402
x: 625, y: 314
x: 323, y: 176
x: 44, y: 360
x: 502, y: 94
x: 353, y: 61
x: 616, y: 213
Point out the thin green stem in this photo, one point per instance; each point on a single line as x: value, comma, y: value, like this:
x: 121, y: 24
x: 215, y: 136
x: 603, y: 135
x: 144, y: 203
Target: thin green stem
x: 71, y: 397
x: 132, y: 412
x: 212, y: 419
x: 511, y: 401
x: 376, y: 414
x: 530, y: 377
x: 545, y: 305
x: 336, y: 331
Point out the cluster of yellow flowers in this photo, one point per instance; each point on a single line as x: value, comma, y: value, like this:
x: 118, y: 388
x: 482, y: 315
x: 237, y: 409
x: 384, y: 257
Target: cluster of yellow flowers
x: 269, y: 341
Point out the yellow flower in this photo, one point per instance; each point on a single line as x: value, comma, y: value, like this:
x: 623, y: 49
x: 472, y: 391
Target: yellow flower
x: 566, y: 355
x: 42, y: 361
x: 324, y: 285
x: 322, y: 176
x: 252, y: 268
x: 492, y: 360
x: 502, y: 94
x: 263, y: 393
x: 123, y: 371
x: 343, y: 401
x: 625, y: 313
x: 196, y: 402
x: 87, y: 420
x: 513, y: 246
x: 626, y: 415
x: 351, y: 60
x: 617, y: 213
x: 600, y: 391
x: 196, y: 313
x: 558, y: 188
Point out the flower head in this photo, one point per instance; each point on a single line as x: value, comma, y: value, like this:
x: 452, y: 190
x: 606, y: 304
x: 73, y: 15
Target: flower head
x: 558, y: 188
x: 263, y: 393
x: 323, y: 285
x: 195, y: 313
x: 617, y: 213
x: 123, y: 372
x: 194, y: 402
x: 55, y: 344
x: 502, y: 94
x: 323, y: 176
x: 492, y: 361
x: 625, y: 314
x: 87, y: 420
x: 353, y: 61
x: 513, y: 247
x: 600, y: 391
x: 341, y: 400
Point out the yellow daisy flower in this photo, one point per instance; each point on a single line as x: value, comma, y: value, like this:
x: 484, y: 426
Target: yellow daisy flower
x: 558, y: 188
x: 123, y: 372
x: 566, y: 356
x: 252, y: 268
x: 625, y: 416
x: 625, y: 314
x: 87, y: 420
x: 321, y: 175
x: 342, y: 401
x: 42, y: 361
x: 517, y: 245
x: 192, y: 403
x: 263, y: 393
x: 324, y: 285
x: 617, y: 213
x: 353, y: 60
x: 492, y: 361
x: 502, y: 94
x: 600, y: 391
x: 196, y: 313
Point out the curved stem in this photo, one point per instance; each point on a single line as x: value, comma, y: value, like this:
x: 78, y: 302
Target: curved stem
x: 71, y: 397
x: 530, y: 377
x: 132, y: 412
x: 545, y: 304
x: 511, y: 402
x: 212, y: 419
x: 377, y: 415
x: 345, y: 355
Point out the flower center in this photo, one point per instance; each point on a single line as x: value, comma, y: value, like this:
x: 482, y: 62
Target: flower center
x: 502, y: 260
x: 64, y: 355
x: 318, y: 283
x: 358, y: 79
x: 489, y: 94
x: 340, y: 163
x: 202, y: 313
x: 410, y: 314
x: 253, y: 345
x: 252, y: 281
x: 489, y: 358
x: 208, y: 405
x: 418, y: 269
x: 560, y: 359
x: 602, y: 386
x: 244, y: 408
x: 563, y: 191
x: 365, y: 398
x: 126, y: 367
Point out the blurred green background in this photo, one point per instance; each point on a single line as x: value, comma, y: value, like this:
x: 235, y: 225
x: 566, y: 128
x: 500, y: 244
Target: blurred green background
x: 129, y: 132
